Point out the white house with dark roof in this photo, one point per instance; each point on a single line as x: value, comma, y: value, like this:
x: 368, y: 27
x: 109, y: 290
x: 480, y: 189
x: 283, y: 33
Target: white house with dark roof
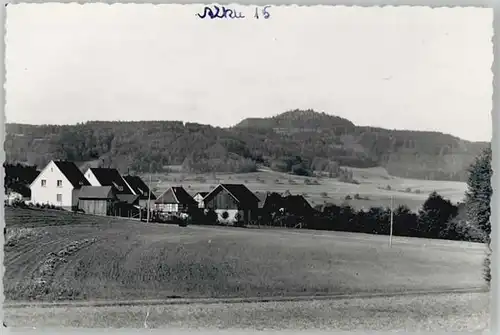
x: 58, y: 184
x: 108, y: 177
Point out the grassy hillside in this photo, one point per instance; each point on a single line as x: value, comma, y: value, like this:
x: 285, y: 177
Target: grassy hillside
x: 102, y: 258
x: 373, y: 186
x: 322, y: 142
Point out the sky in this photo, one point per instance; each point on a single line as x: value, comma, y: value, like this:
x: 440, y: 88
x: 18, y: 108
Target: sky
x: 394, y: 67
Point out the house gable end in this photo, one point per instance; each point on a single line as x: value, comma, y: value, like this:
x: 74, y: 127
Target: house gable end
x: 168, y: 197
x: 43, y: 175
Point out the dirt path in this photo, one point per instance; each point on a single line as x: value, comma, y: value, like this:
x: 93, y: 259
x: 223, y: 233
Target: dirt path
x: 427, y: 313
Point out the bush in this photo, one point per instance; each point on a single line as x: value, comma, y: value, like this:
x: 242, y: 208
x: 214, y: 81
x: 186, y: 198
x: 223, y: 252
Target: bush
x: 348, y: 197
x: 225, y: 215
x: 19, y: 203
x: 324, y: 194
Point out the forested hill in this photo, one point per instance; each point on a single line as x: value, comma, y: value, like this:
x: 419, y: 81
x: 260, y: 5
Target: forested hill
x: 296, y: 141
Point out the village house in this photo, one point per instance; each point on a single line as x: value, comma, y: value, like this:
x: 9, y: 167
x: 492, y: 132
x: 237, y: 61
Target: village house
x: 108, y: 177
x: 97, y: 200
x: 140, y: 188
x: 236, y: 200
x: 199, y: 198
x: 175, y: 200
x: 128, y: 201
x: 58, y: 184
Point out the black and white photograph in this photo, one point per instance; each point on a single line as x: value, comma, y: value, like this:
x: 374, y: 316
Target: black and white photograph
x: 236, y: 167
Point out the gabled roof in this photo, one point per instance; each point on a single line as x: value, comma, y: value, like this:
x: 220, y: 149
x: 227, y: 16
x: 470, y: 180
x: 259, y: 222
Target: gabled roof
x: 111, y: 177
x: 239, y: 192
x: 262, y: 198
x: 128, y: 198
x: 96, y: 192
x: 176, y: 195
x: 139, y: 187
x: 72, y: 173
x: 297, y: 202
x: 203, y: 194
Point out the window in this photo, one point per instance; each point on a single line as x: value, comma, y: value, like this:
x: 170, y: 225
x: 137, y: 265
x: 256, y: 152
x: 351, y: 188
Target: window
x: 59, y: 183
x: 171, y: 208
x: 59, y: 197
x: 44, y: 183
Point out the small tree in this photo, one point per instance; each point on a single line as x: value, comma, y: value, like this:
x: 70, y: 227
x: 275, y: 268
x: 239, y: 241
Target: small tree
x: 478, y: 197
x: 434, y: 216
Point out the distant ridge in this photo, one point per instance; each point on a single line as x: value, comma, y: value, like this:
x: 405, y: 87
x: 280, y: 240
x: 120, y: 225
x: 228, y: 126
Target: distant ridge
x: 297, y: 140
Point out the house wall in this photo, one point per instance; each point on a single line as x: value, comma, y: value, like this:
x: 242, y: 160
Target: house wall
x: 91, y: 178
x: 97, y: 207
x: 168, y: 207
x: 48, y: 194
x: 232, y: 215
x: 75, y: 197
x: 199, y: 199
x: 222, y: 200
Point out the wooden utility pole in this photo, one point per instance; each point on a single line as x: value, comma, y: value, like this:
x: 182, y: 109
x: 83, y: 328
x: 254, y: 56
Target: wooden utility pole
x: 149, y: 195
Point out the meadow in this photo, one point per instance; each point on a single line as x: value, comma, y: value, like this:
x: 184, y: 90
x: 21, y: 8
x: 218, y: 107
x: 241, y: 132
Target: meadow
x: 375, y: 186
x: 102, y: 258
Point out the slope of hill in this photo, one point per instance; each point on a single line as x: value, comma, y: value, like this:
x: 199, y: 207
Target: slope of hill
x: 82, y: 257
x: 295, y: 141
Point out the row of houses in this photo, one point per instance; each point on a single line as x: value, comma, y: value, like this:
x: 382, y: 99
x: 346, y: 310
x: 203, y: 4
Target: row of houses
x: 100, y: 191
x: 104, y: 191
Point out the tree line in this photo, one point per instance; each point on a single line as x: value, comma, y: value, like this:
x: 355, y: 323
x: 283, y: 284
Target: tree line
x: 321, y: 143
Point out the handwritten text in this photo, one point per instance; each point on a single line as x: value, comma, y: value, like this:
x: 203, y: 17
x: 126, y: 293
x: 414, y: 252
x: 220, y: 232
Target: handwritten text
x: 216, y: 12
